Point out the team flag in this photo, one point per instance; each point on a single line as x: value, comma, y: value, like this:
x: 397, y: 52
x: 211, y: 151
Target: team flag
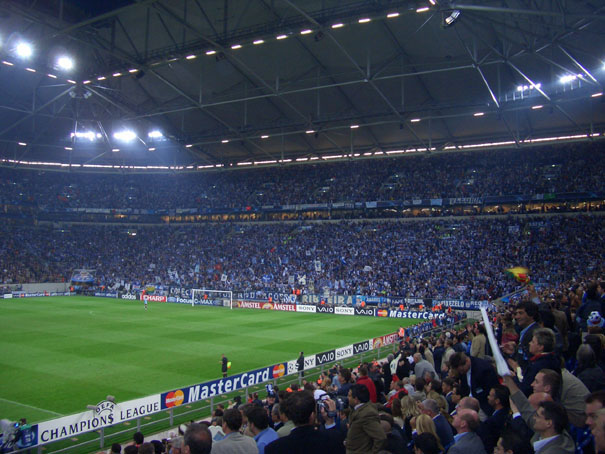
x: 520, y: 274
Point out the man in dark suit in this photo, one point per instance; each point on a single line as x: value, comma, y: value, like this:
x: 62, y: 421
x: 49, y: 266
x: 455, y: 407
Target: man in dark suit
x: 490, y: 430
x: 466, y: 441
x: 444, y: 431
x: 477, y: 377
x: 304, y: 438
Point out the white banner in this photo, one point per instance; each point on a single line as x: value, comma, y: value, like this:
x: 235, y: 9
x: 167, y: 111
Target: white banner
x: 105, y: 414
x: 305, y: 308
x: 344, y: 310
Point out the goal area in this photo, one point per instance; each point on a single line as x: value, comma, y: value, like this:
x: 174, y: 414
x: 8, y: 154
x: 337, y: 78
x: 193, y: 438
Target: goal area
x: 206, y: 297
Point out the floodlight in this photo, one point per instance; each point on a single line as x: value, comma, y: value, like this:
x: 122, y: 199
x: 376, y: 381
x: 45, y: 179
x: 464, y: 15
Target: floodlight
x: 190, y: 57
x: 596, y: 95
x: 155, y: 134
x: 478, y: 114
x: 24, y: 49
x: 236, y: 46
x: 354, y: 126
x: 449, y: 20
x: 7, y: 63
x: 65, y: 63
x: 338, y: 25
x: 210, y: 52
x: 423, y: 9
x: 306, y: 31
x: 115, y: 150
x: 31, y: 70
x: 414, y: 120
x: 392, y: 15
x: 126, y: 135
x: 282, y: 36
x: 85, y: 135
x: 364, y: 20
x: 101, y: 78
x: 309, y: 131
x: 539, y: 106
x: 258, y: 41
x: 264, y: 137
x: 52, y: 76
x: 23, y: 144
x: 225, y: 141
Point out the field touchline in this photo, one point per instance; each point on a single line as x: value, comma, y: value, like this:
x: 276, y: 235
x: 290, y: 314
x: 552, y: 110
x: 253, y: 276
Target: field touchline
x: 31, y: 406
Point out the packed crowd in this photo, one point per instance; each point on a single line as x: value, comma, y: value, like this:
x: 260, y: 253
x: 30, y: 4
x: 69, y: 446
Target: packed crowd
x: 569, y: 168
x: 437, y: 259
x: 441, y: 392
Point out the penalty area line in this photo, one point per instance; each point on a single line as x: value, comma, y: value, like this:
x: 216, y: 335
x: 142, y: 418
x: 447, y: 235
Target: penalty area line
x: 30, y: 406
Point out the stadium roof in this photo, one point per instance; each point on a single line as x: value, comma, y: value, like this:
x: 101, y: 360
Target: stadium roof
x: 239, y: 81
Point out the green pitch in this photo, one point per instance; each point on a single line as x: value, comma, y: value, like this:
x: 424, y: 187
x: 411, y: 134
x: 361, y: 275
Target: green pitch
x: 60, y: 354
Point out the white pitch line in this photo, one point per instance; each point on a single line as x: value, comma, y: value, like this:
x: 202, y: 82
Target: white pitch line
x: 31, y: 406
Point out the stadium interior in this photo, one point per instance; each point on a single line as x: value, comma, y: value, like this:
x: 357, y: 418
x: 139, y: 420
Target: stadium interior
x: 364, y: 153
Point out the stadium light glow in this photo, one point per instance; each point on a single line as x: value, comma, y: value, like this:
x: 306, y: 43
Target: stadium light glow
x: 423, y: 9
x: 309, y: 131
x: 126, y: 135
x: 210, y: 52
x: 414, y: 120
x: 86, y: 82
x: 71, y: 81
x: 449, y: 20
x: 338, y: 25
x: 152, y: 149
x: 85, y: 135
x: 68, y: 148
x: 132, y: 71
x: 281, y: 37
x: 116, y: 74
x: 392, y: 15
x: 537, y: 107
x: 7, y: 63
x: 264, y: 137
x: 115, y: 150
x: 433, y: 2
x: 65, y: 63
x: 101, y: 78
x: 364, y: 20
x: 258, y: 41
x: 190, y: 57
x: 23, y: 144
x: 31, y: 70
x: 52, y: 76
x: 236, y: 46
x: 567, y: 78
x: 24, y: 50
x: 188, y: 145
x: 478, y: 114
x: 225, y: 141
x: 596, y: 95
x: 155, y: 134
x: 306, y: 31
x: 354, y: 126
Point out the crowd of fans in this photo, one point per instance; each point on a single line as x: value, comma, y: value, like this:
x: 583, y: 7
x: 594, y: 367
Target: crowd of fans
x: 442, y: 392
x: 438, y: 259
x: 569, y: 168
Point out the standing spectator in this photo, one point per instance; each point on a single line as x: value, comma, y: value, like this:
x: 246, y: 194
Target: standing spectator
x: 234, y: 442
x: 490, y: 429
x: 422, y: 366
x: 365, y: 433
x: 363, y: 379
x: 258, y: 421
x: 116, y: 448
x: 466, y: 441
x: 477, y: 377
x: 588, y: 371
x: 198, y: 440
x: 526, y: 316
x: 511, y: 442
x: 478, y: 343
x: 442, y: 426
x: 303, y: 439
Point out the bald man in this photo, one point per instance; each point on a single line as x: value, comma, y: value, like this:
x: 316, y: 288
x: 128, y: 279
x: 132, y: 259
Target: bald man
x: 466, y: 422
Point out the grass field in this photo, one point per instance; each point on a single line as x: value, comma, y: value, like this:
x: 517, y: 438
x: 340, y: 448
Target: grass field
x: 60, y: 354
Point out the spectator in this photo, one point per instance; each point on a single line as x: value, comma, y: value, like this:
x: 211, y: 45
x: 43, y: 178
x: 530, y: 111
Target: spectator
x: 234, y: 442
x: 198, y: 440
x: 365, y: 433
x: 466, y: 422
x: 588, y: 371
x: 303, y: 439
x: 490, y: 430
x: 366, y: 381
x: 510, y: 442
x: 116, y: 448
x: 422, y: 367
x: 426, y: 443
x: 443, y: 430
x: 147, y: 448
x: 478, y: 343
x: 477, y: 377
x: 258, y: 421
